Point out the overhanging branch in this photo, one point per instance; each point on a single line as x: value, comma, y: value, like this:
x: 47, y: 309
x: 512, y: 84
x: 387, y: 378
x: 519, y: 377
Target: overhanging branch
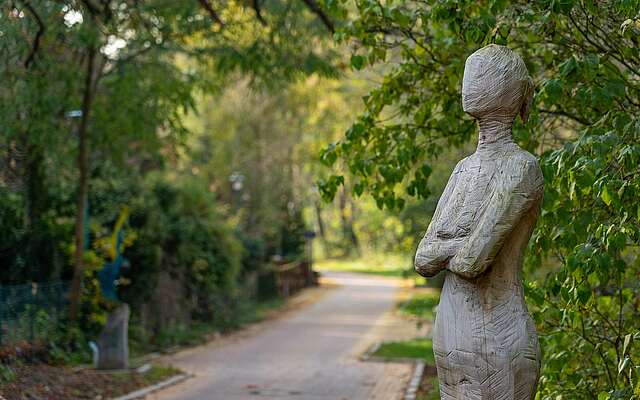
x: 92, y: 8
x: 255, y: 4
x: 39, y: 34
x: 316, y: 9
x: 212, y: 13
x: 566, y: 114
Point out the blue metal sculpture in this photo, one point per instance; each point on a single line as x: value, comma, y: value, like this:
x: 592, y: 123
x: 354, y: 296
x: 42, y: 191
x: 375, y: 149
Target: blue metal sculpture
x: 110, y: 272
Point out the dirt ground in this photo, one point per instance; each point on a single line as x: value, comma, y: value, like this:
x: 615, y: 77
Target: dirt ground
x: 427, y: 383
x: 45, y: 382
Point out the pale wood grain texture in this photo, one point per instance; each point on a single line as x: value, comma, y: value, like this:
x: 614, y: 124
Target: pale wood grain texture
x: 484, y: 340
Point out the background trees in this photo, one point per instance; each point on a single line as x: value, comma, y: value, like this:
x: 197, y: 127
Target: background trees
x: 93, y: 109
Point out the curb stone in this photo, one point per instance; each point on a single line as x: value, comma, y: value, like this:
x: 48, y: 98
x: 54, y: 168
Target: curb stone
x: 414, y: 383
x: 141, y: 393
x: 369, y: 354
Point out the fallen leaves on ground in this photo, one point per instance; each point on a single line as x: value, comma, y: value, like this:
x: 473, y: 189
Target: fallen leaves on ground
x: 46, y: 382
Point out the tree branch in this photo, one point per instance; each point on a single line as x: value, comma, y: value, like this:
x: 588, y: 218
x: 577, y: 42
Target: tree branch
x: 106, y: 10
x: 566, y: 114
x: 212, y: 13
x: 316, y: 9
x: 128, y: 58
x: 93, y: 9
x: 39, y: 34
x: 81, y: 201
x: 255, y: 4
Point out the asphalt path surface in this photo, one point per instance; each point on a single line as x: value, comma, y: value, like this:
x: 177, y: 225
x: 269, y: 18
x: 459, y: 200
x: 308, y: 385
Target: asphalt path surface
x: 313, y: 352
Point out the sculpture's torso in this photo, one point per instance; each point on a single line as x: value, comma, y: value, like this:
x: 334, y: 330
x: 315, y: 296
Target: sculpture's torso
x: 484, y: 340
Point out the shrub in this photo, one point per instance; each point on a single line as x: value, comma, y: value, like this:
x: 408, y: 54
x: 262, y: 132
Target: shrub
x: 179, y: 231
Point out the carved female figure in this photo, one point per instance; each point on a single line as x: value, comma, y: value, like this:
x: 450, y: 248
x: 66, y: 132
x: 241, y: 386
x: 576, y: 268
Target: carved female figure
x: 484, y: 340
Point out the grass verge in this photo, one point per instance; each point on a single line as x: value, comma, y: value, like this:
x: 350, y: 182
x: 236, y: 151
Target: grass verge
x: 421, y: 305
x: 385, y: 265
x: 428, y: 389
x: 419, y: 349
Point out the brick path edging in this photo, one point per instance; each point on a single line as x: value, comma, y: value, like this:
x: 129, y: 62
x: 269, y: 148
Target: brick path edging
x: 414, y: 383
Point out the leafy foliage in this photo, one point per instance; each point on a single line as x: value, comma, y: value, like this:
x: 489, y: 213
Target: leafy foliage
x: 94, y: 98
x: 585, y: 58
x: 592, y: 301
x: 180, y: 231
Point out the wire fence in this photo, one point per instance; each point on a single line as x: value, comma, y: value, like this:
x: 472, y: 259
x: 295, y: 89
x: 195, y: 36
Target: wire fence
x: 31, y: 312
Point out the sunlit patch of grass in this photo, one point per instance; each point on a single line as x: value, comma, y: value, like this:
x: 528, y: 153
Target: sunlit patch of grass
x: 156, y: 374
x: 419, y: 348
x: 385, y: 265
x: 421, y: 305
x: 430, y: 390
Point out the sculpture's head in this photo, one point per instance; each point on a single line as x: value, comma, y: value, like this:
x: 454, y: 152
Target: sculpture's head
x: 496, y: 85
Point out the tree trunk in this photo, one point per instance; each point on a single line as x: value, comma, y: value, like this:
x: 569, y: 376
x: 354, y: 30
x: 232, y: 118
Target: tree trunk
x: 348, y: 233
x: 321, y: 229
x: 354, y: 238
x: 38, y: 258
x: 81, y: 202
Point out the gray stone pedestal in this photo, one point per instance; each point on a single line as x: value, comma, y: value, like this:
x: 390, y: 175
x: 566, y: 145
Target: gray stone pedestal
x: 113, y: 342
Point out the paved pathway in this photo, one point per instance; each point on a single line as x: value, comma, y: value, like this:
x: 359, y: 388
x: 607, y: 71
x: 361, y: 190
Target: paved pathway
x: 309, y: 354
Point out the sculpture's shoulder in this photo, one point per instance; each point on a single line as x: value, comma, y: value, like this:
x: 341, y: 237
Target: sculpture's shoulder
x: 528, y: 161
x: 527, y: 168
x: 523, y: 156
x: 463, y: 164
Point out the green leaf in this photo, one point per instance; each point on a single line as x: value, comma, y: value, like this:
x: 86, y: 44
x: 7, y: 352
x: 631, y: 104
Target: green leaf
x: 358, y: 188
x: 426, y: 170
x: 604, y: 396
x: 605, y: 195
x: 627, y: 341
x: 569, y: 66
x: 623, y: 364
x: 357, y: 62
x: 553, y: 90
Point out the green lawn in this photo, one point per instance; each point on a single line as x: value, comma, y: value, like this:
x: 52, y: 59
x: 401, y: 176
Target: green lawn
x: 421, y: 305
x: 156, y: 374
x: 419, y: 348
x: 386, y: 265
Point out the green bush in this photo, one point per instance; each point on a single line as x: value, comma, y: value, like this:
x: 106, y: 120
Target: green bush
x: 179, y: 230
x: 255, y: 252
x: 11, y: 220
x: 175, y: 228
x: 584, y: 57
x: 32, y: 243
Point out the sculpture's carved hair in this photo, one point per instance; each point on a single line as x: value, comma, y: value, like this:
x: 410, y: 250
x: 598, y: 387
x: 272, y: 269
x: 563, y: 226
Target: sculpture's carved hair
x: 496, y: 84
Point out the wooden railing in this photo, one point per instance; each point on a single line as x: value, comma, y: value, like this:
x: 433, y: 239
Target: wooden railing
x: 294, y: 276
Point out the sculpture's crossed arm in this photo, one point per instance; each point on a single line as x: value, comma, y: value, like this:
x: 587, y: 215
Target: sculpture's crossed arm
x: 507, y: 206
x: 472, y: 255
x: 434, y: 253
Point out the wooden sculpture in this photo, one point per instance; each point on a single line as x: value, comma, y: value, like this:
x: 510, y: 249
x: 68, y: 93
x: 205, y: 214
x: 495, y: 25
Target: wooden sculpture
x: 484, y: 340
